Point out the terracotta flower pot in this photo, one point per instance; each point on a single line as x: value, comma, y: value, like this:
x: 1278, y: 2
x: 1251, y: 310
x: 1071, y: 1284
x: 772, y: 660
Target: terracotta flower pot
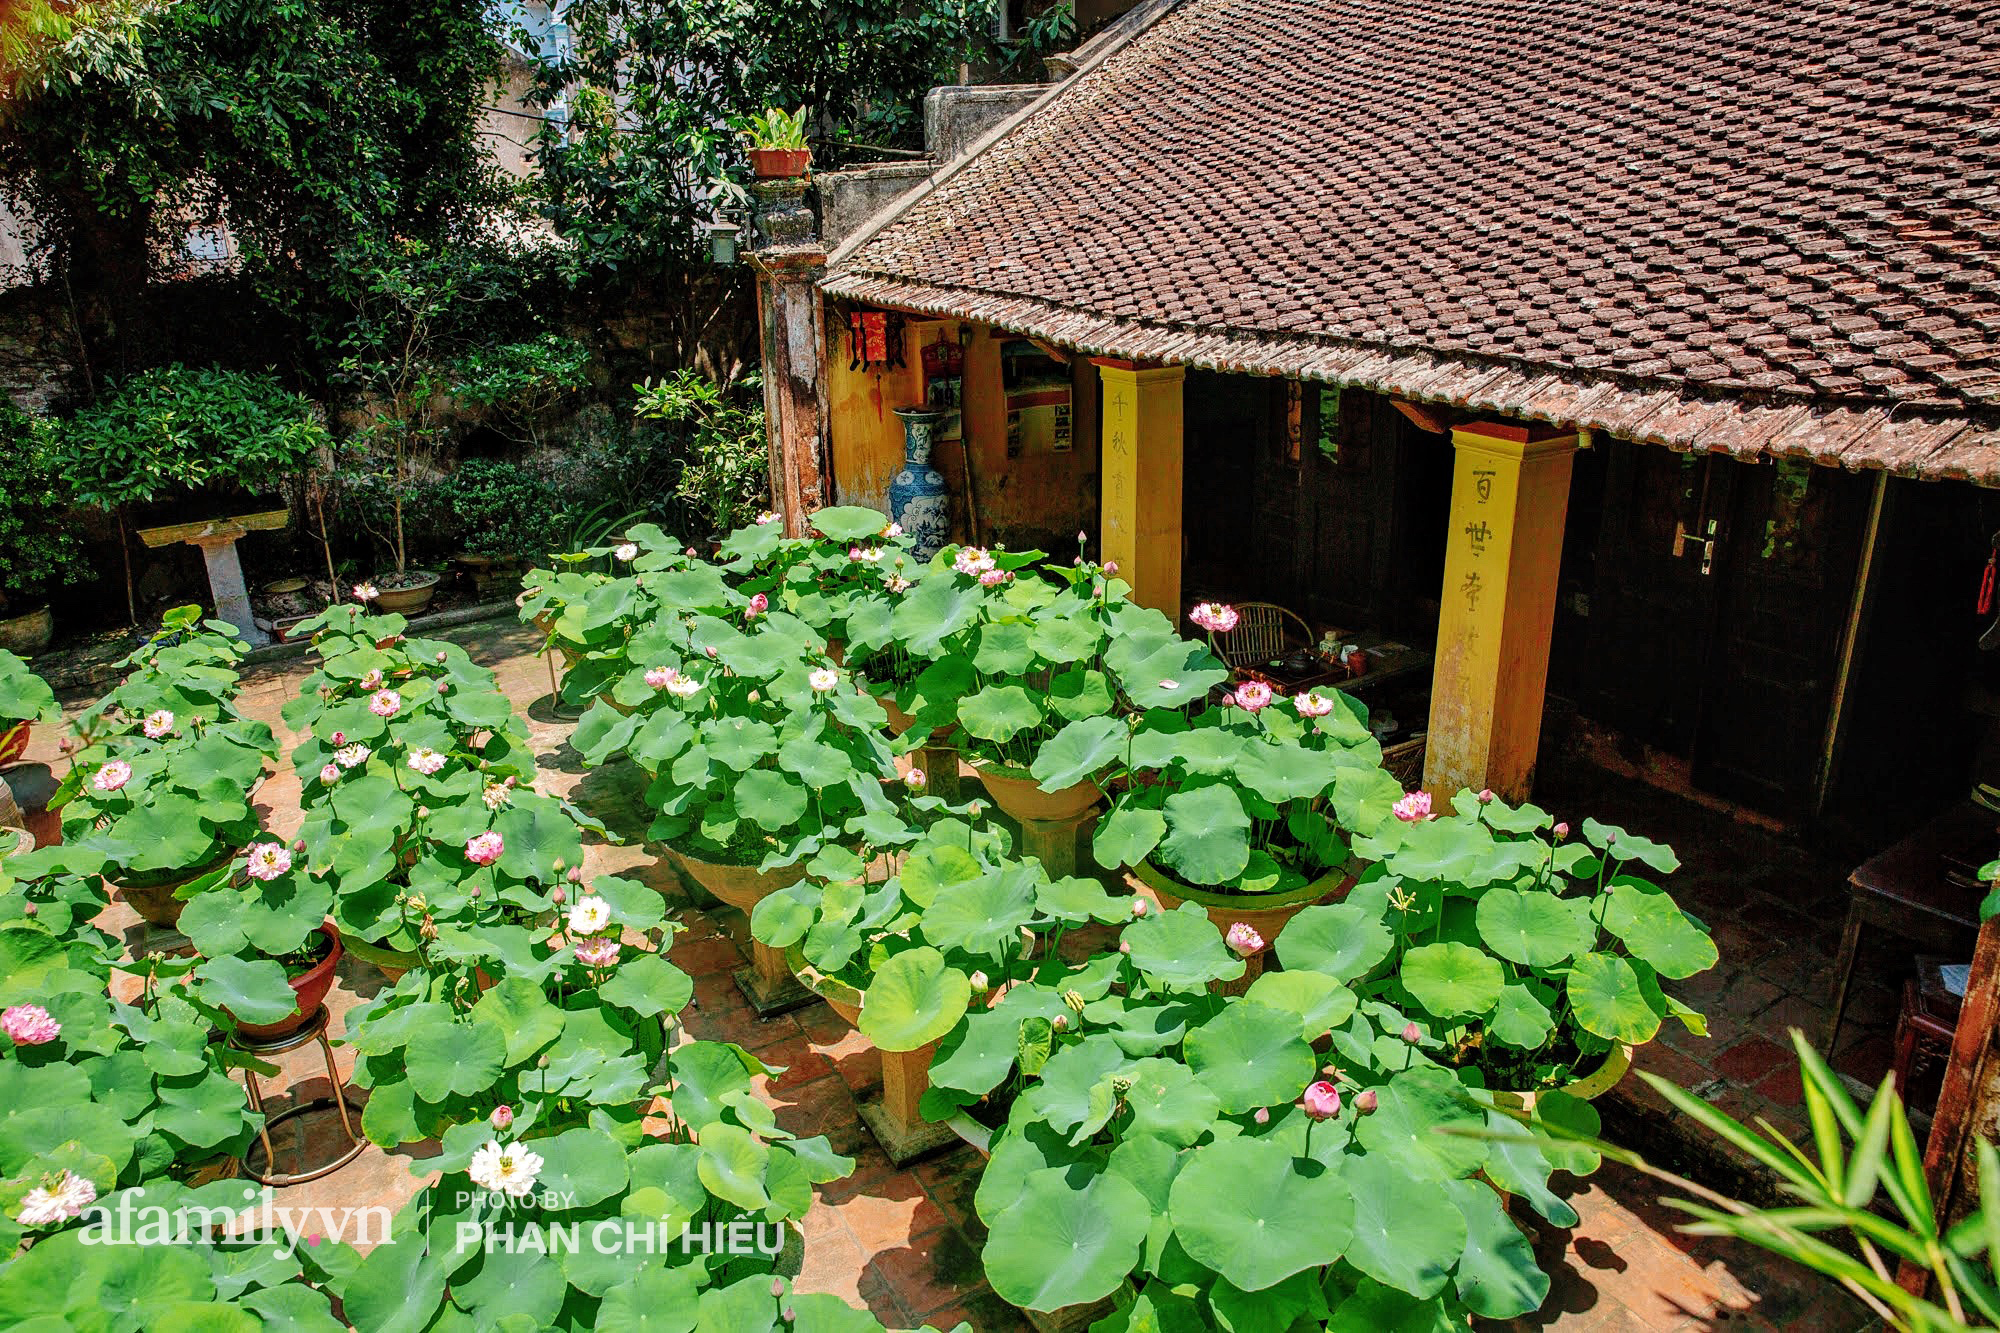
x: 413, y: 596
x: 152, y: 896
x: 780, y: 163
x: 29, y: 633
x: 1049, y: 820
x: 15, y: 841
x: 1265, y: 913
x: 310, y: 988
x: 768, y: 982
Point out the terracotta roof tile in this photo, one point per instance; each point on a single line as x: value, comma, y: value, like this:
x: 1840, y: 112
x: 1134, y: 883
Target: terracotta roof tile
x: 1773, y: 201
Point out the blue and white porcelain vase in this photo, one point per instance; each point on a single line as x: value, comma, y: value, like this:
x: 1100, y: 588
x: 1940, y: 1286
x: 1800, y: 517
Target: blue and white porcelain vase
x: 918, y: 498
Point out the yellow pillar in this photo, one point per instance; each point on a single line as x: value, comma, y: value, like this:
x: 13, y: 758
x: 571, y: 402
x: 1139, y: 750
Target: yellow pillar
x: 1509, y: 493
x: 1141, y: 500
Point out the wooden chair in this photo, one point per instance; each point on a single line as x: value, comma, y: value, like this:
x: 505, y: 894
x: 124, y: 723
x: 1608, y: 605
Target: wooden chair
x: 1265, y: 632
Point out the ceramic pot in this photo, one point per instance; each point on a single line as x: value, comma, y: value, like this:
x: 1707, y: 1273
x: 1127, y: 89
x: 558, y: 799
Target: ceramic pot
x: 780, y: 163
x: 310, y: 988
x: 284, y: 587
x: 13, y: 742
x: 28, y: 634
x: 1018, y: 794
x: 15, y: 842
x: 1265, y: 913
x: 152, y: 897
x: 412, y: 597
x: 287, y: 627
x: 918, y: 496
x: 1617, y: 1064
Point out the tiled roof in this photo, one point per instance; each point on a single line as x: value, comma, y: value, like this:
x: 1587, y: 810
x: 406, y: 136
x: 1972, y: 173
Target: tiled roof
x: 1754, y: 225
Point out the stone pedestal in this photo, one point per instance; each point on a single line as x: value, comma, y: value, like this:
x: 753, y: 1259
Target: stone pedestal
x: 768, y: 982
x: 217, y: 539
x: 894, y: 1118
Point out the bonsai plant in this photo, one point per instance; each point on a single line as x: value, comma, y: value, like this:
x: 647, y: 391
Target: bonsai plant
x: 1528, y: 961
x: 25, y: 699
x: 194, y: 436
x: 38, y: 552
x: 778, y: 143
x: 164, y: 767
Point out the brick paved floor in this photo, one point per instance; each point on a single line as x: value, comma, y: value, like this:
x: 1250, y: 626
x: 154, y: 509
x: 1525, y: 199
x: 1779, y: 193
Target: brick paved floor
x: 905, y: 1243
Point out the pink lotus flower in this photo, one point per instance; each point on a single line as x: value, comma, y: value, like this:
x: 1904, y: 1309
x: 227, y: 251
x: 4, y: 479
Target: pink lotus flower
x: 158, y: 723
x: 268, y: 860
x: 1312, y: 704
x: 659, y: 676
x: 426, y: 760
x: 893, y: 530
x: 1365, y: 1101
x: 373, y: 680
x: 494, y: 796
x: 766, y: 517
x: 483, y: 849
x: 503, y: 1116
x: 1412, y: 1033
x: 385, y: 703
x: 1321, y: 1101
x: 1243, y: 940
x: 352, y: 756
x: 626, y: 551
x: 759, y: 604
x: 1414, y: 808
x: 365, y: 592
x: 897, y: 583
x: 58, y: 1198
x: 29, y: 1025
x: 330, y: 774
x: 599, y: 952
x: 823, y: 679
x: 112, y: 776
x: 973, y: 560
x: 1253, y: 696
x: 1216, y: 617
x: 867, y: 555
x: 993, y: 578
x: 1262, y: 1115
x: 1138, y: 907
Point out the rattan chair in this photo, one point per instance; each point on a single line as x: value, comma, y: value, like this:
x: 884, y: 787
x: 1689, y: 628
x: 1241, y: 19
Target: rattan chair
x: 1265, y: 632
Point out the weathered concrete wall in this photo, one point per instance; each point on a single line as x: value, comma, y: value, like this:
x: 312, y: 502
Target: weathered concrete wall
x: 849, y: 198
x: 955, y: 116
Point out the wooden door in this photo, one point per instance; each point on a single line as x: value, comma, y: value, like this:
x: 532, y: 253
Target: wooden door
x: 1653, y: 611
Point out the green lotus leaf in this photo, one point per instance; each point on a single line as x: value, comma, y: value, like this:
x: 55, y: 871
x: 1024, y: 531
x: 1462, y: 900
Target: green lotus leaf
x: 983, y: 917
x: 397, y: 1288
x: 1170, y: 1103
x: 1208, y: 835
x: 1408, y: 1233
x: 772, y: 801
x: 254, y: 991
x: 1519, y: 1019
x: 1406, y: 1132
x: 1534, y: 928
x: 1180, y: 950
x: 1609, y: 999
x: 527, y: 1022
x: 1656, y: 931
x: 1127, y: 835
x: 1319, y: 1002
x: 1498, y: 1275
x: 1069, y: 1239
x: 1519, y: 1167
x: 1374, y: 1308
x: 1244, y: 1207
x: 455, y: 1058
x: 586, y: 1166
x: 1342, y: 940
x: 999, y: 712
x: 915, y: 998
x: 1251, y: 1055
x: 1452, y: 980
x: 1079, y: 752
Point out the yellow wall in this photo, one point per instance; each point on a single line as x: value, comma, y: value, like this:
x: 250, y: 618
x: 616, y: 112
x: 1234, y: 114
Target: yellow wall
x: 1037, y: 498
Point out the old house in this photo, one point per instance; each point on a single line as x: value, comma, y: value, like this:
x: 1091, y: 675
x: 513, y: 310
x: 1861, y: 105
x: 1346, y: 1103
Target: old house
x: 1623, y: 373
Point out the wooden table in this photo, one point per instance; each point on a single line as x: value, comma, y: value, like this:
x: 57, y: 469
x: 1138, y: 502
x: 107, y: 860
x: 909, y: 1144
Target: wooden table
x: 1909, y: 891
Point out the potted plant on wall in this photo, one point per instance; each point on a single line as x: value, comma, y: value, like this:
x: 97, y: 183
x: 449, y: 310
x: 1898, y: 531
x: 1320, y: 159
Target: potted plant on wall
x: 778, y: 143
x: 165, y: 767
x: 38, y: 552
x: 25, y: 699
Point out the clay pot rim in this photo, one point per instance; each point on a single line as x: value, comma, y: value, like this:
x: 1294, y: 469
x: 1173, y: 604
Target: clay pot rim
x: 1616, y: 1065
x: 322, y: 971
x: 1309, y: 892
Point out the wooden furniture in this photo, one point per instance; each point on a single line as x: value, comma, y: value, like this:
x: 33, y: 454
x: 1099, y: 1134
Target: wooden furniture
x: 1922, y: 889
x: 1924, y: 1027
x: 1265, y: 632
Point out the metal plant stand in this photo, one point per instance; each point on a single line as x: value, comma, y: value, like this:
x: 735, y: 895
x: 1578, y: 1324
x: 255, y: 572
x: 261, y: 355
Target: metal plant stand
x: 313, y: 1030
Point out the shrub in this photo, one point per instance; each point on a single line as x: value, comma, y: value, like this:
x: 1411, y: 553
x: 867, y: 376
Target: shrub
x: 496, y: 508
x: 37, y: 552
x: 180, y: 429
x: 727, y: 478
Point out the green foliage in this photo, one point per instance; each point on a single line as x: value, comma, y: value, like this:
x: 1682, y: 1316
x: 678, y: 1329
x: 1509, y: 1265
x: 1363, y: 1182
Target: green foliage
x: 521, y: 382
x: 38, y: 551
x: 500, y: 508
x: 774, y: 127
x: 178, y: 429
x: 726, y: 480
x: 24, y: 696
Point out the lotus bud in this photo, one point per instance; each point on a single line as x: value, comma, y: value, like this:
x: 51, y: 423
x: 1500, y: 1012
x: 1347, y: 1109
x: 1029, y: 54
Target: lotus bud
x: 1263, y: 1115
x: 1321, y: 1101
x: 1562, y: 831
x: 423, y: 812
x: 790, y: 1314
x: 1060, y: 1022
x: 440, y: 656
x: 443, y: 686
x: 975, y: 809
x: 474, y: 891
x: 557, y: 896
x: 28, y: 909
x: 979, y: 981
x: 1412, y: 1033
x: 340, y: 738
x: 512, y: 782
x: 542, y: 1063
x: 1111, y: 566
x: 1138, y: 907
x: 1486, y: 796
x: 503, y: 1116
x: 299, y: 846
x: 1074, y: 999
x: 558, y: 863
x: 575, y: 875
x: 1365, y: 1101
x: 777, y: 1286
x: 1125, y: 946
